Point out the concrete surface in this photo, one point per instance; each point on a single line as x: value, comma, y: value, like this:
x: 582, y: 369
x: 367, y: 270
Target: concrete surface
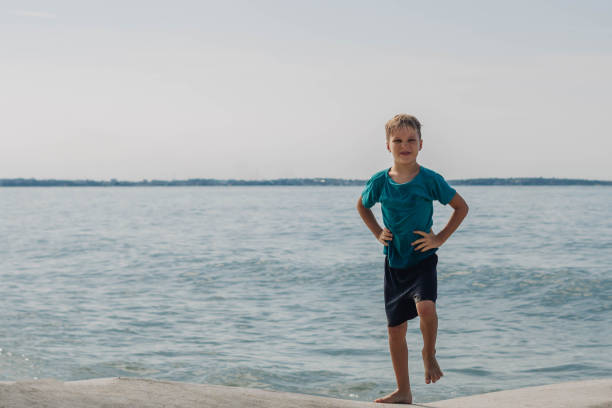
x: 592, y: 394
x: 120, y: 392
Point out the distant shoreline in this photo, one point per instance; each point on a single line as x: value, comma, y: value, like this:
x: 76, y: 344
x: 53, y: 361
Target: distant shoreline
x: 522, y: 181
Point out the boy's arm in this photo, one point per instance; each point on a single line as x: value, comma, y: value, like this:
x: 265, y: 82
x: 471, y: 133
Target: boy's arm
x: 431, y: 240
x: 382, y: 234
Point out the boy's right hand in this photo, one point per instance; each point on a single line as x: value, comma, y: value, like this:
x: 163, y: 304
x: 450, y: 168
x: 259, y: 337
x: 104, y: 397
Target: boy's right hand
x: 384, y: 236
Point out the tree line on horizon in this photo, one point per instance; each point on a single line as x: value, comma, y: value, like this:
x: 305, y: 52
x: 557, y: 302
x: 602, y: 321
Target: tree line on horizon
x: 520, y: 181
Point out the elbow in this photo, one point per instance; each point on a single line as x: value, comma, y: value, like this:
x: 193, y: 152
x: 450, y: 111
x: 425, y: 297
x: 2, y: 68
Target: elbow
x: 461, y: 209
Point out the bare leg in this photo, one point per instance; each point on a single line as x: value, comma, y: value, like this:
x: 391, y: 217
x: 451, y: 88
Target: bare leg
x: 399, y: 357
x: 429, y: 329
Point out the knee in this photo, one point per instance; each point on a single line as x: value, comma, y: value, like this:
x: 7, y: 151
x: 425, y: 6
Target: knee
x: 426, y: 309
x: 398, y: 331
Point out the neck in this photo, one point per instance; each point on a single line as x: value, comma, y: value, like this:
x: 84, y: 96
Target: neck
x: 405, y: 168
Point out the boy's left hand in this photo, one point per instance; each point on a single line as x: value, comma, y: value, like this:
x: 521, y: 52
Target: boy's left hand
x: 429, y: 241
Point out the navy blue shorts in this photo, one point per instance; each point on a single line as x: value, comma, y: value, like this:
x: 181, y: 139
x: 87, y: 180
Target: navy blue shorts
x: 404, y: 287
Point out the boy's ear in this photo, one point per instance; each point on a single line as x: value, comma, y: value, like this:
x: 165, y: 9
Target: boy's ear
x: 420, y: 143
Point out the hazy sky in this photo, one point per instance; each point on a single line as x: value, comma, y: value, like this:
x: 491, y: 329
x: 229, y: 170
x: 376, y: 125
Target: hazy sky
x: 271, y: 89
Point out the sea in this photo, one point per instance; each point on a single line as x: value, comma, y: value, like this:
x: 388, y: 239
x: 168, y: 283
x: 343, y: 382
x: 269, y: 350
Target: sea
x: 281, y: 288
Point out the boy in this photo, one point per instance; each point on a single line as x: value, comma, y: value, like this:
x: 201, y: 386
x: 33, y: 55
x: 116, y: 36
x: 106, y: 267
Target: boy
x: 405, y: 192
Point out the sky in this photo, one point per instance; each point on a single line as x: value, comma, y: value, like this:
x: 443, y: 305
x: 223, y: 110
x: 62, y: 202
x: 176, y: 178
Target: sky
x: 251, y: 89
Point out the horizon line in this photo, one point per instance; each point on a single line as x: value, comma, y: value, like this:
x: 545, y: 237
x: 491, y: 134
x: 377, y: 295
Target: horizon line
x: 24, y: 182
x: 288, y: 178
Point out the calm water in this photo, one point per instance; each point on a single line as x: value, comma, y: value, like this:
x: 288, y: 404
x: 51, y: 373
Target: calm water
x: 281, y: 288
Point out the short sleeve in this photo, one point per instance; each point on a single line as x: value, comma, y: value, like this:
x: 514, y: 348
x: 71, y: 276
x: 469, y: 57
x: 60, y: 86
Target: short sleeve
x: 371, y: 192
x: 441, y: 191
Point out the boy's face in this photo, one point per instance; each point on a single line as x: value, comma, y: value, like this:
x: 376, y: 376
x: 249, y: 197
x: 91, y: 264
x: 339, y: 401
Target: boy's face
x: 404, y: 144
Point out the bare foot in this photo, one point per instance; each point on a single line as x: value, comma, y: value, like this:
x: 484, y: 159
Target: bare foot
x: 397, y: 397
x: 432, y: 369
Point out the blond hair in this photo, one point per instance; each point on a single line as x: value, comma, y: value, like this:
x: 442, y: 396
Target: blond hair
x: 401, y: 121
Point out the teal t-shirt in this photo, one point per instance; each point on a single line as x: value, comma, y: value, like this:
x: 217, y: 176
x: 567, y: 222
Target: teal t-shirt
x: 406, y: 207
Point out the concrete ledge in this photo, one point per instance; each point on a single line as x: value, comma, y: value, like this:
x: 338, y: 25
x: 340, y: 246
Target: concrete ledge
x: 119, y: 392
x: 591, y: 394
